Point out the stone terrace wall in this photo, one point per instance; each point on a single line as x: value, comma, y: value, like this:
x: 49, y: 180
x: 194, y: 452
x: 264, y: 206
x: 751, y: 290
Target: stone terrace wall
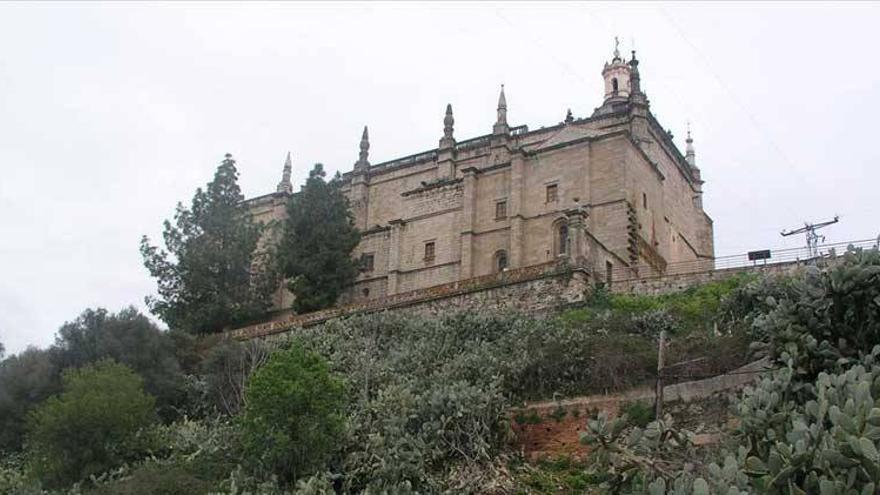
x: 664, y: 284
x: 530, y: 289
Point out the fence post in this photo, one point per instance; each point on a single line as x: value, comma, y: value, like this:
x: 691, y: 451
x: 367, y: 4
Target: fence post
x: 658, y: 395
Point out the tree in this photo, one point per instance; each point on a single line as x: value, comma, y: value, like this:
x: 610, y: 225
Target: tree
x: 211, y: 274
x: 293, y: 419
x: 90, y: 427
x: 227, y: 367
x: 26, y: 378
x: 318, y: 238
x: 130, y: 338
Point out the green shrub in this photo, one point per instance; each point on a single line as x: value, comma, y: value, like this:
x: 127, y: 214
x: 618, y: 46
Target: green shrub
x: 577, y: 317
x: 558, y: 413
x: 639, y: 413
x: 91, y: 426
x: 630, y: 303
x: 129, y: 338
x: 157, y: 479
x: 293, y: 419
x: 533, y: 418
x: 557, y: 476
x: 755, y: 298
x: 14, y: 478
x: 811, y: 425
x: 832, y: 316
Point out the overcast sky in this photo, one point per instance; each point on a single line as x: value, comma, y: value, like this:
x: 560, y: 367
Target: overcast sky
x: 112, y: 113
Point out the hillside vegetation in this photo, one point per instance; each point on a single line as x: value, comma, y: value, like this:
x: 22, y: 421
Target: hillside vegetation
x: 397, y: 404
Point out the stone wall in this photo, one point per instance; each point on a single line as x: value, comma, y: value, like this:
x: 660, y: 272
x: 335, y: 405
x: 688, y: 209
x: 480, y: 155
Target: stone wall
x: 537, y: 288
x: 664, y: 284
x: 560, y: 422
x: 531, y: 289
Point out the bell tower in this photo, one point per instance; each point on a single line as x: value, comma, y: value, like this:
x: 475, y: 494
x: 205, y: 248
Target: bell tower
x: 618, y: 77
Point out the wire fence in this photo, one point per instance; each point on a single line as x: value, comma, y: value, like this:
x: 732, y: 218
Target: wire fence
x: 743, y: 260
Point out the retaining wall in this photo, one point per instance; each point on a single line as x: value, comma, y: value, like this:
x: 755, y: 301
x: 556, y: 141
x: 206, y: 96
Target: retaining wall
x: 532, y: 289
x: 664, y: 284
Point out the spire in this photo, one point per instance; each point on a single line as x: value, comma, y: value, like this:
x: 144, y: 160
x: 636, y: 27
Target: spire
x: 635, y: 80
x: 285, y: 186
x: 616, y: 50
x: 689, y: 155
x: 502, y: 107
x: 363, y: 163
x: 447, y: 141
x: 501, y: 126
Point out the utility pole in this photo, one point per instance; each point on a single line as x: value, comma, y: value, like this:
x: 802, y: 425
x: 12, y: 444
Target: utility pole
x: 658, y: 395
x: 812, y: 237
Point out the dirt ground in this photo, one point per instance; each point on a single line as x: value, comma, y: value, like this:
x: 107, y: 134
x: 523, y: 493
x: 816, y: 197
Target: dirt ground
x: 552, y: 429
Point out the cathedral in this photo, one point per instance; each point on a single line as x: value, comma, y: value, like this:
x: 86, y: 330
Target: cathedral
x: 610, y: 193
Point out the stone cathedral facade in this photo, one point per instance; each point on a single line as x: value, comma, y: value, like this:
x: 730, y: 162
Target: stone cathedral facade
x: 610, y: 193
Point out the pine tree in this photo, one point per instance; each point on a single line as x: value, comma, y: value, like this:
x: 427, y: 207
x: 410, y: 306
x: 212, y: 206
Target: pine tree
x: 317, y: 241
x: 211, y: 275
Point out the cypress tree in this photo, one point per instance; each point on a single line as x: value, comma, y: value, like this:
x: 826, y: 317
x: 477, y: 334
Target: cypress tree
x: 210, y: 274
x: 316, y: 244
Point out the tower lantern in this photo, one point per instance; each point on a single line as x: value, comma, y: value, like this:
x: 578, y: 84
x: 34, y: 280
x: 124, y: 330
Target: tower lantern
x: 618, y: 75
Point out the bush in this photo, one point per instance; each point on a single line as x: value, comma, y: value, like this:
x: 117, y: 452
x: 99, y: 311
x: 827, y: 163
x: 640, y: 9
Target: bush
x: 639, y: 413
x: 130, y: 338
x: 293, y: 419
x: 833, y: 315
x: 157, y: 479
x: 755, y: 298
x: 189, y: 456
x: 809, y: 426
x: 14, y: 478
x: 91, y: 426
x: 430, y: 395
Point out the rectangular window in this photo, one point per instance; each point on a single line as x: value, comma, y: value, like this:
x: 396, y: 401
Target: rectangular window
x: 500, y: 210
x: 552, y: 193
x: 644, y: 201
x: 609, y: 272
x: 429, y: 251
x: 367, y: 262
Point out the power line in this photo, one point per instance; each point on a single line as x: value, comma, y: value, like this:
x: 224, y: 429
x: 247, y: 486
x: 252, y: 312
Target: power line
x: 730, y: 94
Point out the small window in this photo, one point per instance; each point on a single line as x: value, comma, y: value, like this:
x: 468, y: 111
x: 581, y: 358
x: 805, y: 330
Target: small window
x: 614, y: 85
x: 367, y: 262
x: 429, y: 251
x: 644, y: 201
x: 366, y: 292
x: 501, y: 261
x: 609, y: 272
x: 552, y: 193
x: 500, y: 210
x: 562, y: 241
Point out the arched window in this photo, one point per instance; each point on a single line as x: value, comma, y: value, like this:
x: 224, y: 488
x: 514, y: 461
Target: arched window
x: 500, y: 261
x: 614, y: 84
